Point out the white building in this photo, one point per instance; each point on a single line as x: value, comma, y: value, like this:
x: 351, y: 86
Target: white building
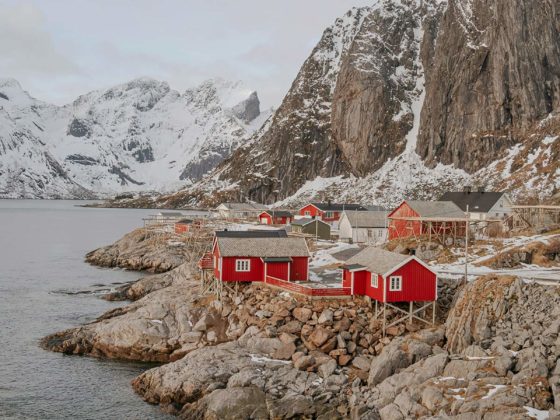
x: 482, y: 205
x: 368, y: 227
x: 238, y: 210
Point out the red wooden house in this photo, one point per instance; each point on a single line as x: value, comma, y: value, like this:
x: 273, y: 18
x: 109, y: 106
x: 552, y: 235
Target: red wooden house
x: 389, y: 277
x: 327, y: 212
x: 247, y: 259
x: 183, y: 226
x: 275, y: 217
x: 415, y: 218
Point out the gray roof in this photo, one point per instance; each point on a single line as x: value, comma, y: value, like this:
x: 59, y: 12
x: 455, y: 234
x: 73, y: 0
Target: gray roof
x: 278, y: 213
x: 306, y: 220
x: 478, y: 202
x: 436, y: 209
x: 367, y: 219
x: 377, y: 260
x: 263, y: 247
x: 263, y: 233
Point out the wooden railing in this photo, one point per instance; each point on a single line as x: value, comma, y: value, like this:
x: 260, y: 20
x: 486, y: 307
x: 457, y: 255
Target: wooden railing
x: 206, y: 262
x: 306, y: 290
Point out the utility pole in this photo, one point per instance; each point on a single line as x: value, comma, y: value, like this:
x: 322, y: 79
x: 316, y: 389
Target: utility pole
x: 467, y: 245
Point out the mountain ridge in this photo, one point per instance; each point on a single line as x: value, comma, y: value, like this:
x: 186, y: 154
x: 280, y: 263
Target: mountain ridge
x: 140, y: 135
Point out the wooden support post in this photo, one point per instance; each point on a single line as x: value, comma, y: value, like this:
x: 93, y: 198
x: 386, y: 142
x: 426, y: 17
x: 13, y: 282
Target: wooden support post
x: 434, y: 312
x: 410, y: 313
x: 384, y: 318
x: 376, y: 308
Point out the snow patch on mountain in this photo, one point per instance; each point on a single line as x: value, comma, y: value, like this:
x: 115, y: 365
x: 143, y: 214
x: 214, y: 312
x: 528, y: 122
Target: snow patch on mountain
x: 137, y: 136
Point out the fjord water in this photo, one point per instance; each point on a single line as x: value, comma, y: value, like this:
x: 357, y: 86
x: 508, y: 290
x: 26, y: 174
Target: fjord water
x: 42, y: 248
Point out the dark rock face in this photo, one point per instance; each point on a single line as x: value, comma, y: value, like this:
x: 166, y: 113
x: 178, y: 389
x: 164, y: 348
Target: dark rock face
x: 297, y: 145
x: 249, y: 109
x: 496, y: 69
x: 82, y: 160
x: 377, y: 83
x: 78, y: 128
x: 455, y: 82
x: 3, y: 96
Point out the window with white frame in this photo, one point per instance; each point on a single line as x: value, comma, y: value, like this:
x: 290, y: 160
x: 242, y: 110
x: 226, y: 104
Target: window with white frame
x: 307, y: 213
x: 395, y: 283
x: 374, y: 281
x: 329, y: 214
x: 242, y: 265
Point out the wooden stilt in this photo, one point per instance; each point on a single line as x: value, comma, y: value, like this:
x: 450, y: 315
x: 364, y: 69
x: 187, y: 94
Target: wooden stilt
x: 410, y: 313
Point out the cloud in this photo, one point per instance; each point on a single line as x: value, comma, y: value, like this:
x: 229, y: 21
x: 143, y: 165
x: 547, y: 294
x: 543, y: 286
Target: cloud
x: 26, y: 48
x: 62, y: 48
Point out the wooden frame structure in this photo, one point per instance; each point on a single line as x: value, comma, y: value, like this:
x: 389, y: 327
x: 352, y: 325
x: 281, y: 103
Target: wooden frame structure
x: 534, y: 216
x: 409, y: 315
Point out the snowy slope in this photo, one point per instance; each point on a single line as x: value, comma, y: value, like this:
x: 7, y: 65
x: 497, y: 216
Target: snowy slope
x: 138, y: 136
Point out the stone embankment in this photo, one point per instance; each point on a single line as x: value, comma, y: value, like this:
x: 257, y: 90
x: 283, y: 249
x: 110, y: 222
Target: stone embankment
x: 140, y: 250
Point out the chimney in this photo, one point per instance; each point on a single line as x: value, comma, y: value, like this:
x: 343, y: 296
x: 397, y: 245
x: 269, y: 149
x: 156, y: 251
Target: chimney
x: 329, y: 202
x: 467, y: 189
x: 480, y: 189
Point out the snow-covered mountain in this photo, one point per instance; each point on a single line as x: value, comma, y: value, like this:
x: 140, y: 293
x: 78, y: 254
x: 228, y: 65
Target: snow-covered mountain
x: 410, y: 98
x: 138, y: 136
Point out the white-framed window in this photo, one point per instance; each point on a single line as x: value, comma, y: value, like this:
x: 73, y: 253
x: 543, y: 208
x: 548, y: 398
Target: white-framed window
x: 395, y: 283
x: 329, y: 214
x: 242, y: 265
x: 307, y: 213
x: 374, y: 281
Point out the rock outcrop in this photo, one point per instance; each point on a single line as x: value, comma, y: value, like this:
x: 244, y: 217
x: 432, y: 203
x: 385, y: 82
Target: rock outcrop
x: 140, y: 250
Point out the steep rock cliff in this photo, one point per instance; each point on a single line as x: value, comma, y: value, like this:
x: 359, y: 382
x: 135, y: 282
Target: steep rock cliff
x: 496, y: 70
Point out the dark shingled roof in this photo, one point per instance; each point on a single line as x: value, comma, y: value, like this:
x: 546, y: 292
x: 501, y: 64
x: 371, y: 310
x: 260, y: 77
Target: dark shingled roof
x: 478, y: 202
x: 338, y: 207
x: 268, y: 233
x: 185, y: 221
x: 279, y: 213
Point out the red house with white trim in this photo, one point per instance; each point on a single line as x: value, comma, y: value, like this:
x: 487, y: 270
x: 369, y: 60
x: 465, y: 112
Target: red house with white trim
x: 248, y: 259
x: 275, y: 217
x: 327, y: 212
x: 389, y: 277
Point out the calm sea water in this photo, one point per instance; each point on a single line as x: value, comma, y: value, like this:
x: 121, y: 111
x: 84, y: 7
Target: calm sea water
x: 42, y: 248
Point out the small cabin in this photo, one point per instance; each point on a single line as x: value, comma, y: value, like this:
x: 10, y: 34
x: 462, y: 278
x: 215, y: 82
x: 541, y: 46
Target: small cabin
x: 275, y: 217
x: 328, y: 212
x: 363, y: 227
x: 312, y: 227
x: 248, y: 259
x: 183, y: 226
x: 388, y: 277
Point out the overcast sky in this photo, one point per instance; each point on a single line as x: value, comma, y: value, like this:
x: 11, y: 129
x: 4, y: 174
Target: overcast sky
x: 59, y: 49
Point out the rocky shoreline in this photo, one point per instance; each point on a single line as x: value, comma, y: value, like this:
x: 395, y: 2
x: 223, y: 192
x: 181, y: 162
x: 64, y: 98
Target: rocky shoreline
x: 262, y: 353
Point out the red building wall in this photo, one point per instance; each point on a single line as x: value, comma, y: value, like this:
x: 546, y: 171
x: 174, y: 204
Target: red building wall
x: 418, y: 284
x: 299, y: 268
x: 313, y: 211
x: 278, y: 270
x: 398, y: 228
x: 181, y: 228
x: 346, y: 278
x: 265, y: 219
x: 375, y: 292
x: 256, y: 272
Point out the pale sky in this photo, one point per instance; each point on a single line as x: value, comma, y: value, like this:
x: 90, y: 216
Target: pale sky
x: 59, y: 49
